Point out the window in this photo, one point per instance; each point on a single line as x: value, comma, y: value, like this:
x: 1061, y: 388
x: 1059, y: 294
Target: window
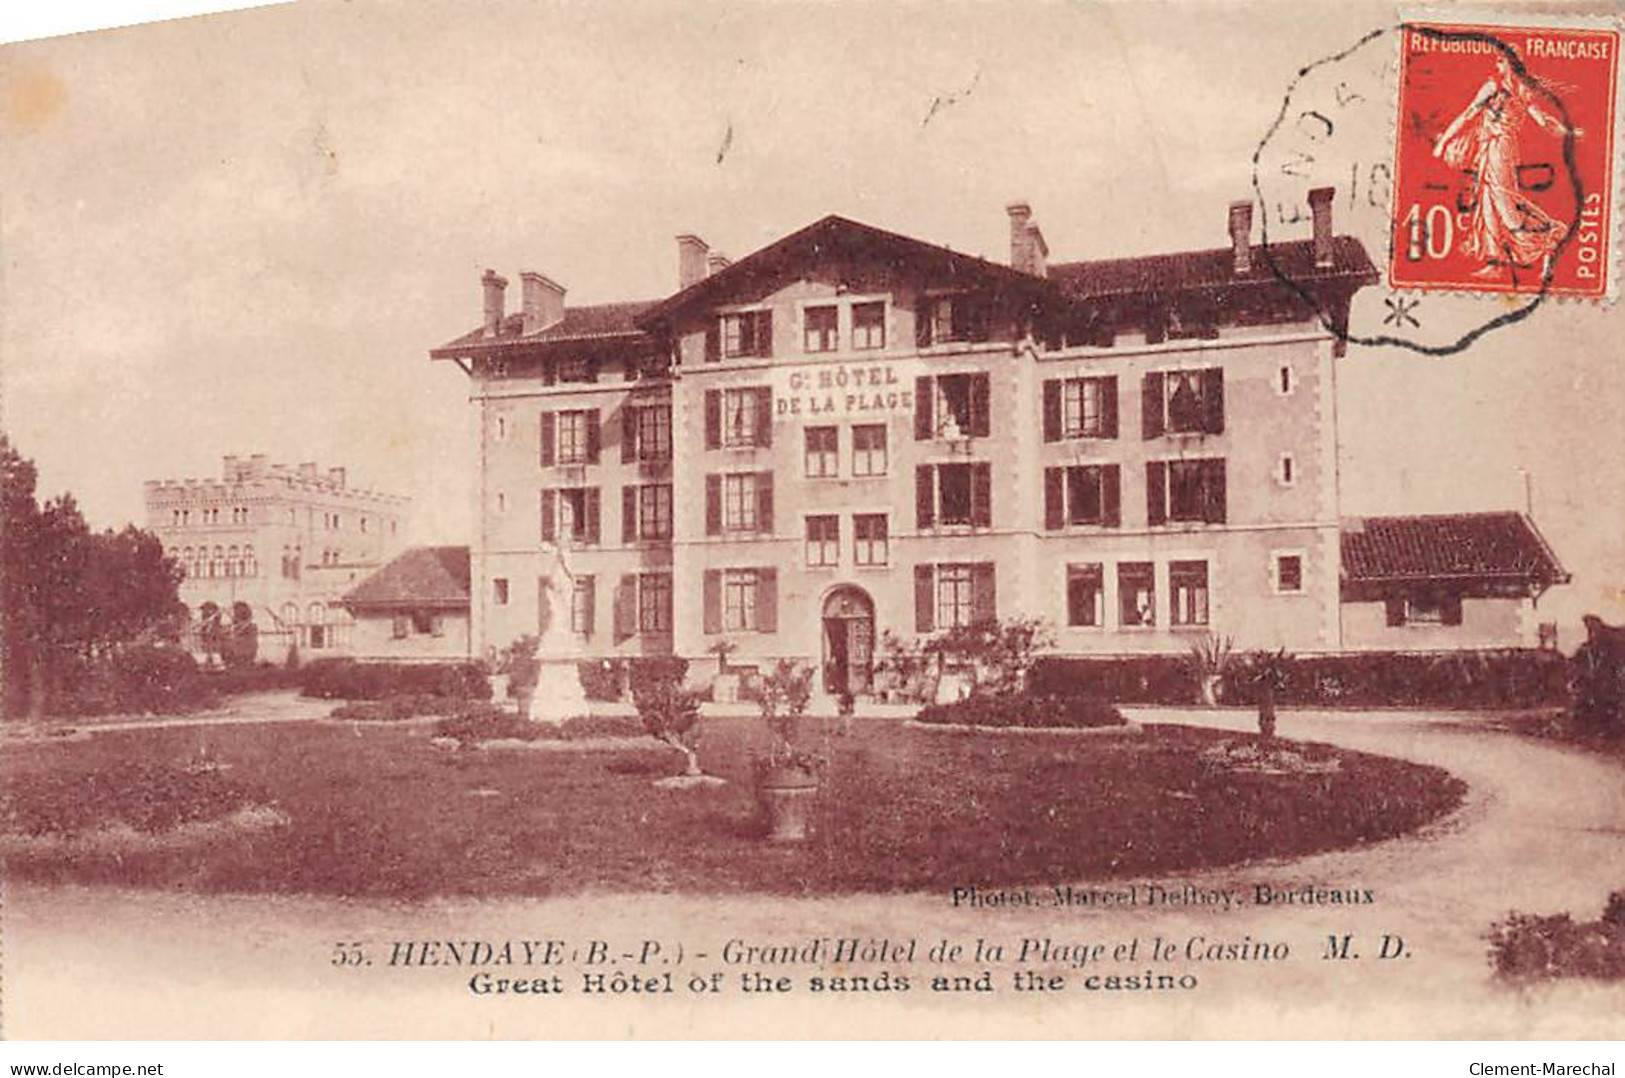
x: 654, y: 602
x: 400, y: 626
x: 1187, y: 585
x: 739, y: 415
x: 577, y: 369
x: 823, y: 540
x: 823, y: 452
x: 748, y: 333
x: 940, y: 319
x: 570, y: 513
x: 739, y: 600
x: 654, y: 511
x: 868, y: 325
x: 502, y: 502
x: 821, y: 332
x: 251, y: 565
x: 502, y: 428
x: 739, y: 502
x: 1185, y: 490
x: 231, y: 560
x: 955, y: 598
x: 572, y: 437
x: 1183, y: 402
x: 363, y: 525
x: 954, y: 494
x: 581, y: 605
x: 652, y: 433
x: 1136, y: 593
x: 1285, y: 470
x: 957, y: 396
x: 499, y: 591
x: 175, y: 517
x: 1088, y: 409
x: 1085, y: 595
x: 422, y: 622
x: 1289, y: 573
x: 869, y: 539
x: 1284, y: 380
x: 1424, y: 610
x: 869, y: 449
x: 1082, y: 494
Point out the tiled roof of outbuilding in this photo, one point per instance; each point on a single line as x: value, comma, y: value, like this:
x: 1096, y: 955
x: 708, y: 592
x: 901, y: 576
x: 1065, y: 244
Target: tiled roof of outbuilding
x: 421, y: 576
x: 589, y: 323
x: 1448, y: 546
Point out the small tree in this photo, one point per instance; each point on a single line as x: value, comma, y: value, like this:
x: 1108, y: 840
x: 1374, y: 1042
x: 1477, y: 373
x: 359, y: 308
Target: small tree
x: 671, y: 713
x: 240, y: 644
x: 999, y: 654
x: 518, y: 660
x: 1210, y: 658
x: 782, y: 700
x: 1269, y: 672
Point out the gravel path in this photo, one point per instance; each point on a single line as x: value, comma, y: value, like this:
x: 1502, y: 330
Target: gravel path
x: 1542, y: 830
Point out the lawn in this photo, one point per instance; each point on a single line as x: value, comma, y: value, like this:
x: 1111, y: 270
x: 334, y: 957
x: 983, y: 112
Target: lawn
x: 376, y: 809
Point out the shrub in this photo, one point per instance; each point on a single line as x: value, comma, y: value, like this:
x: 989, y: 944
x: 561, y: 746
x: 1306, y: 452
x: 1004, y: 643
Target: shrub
x: 346, y: 679
x: 671, y: 713
x: 1597, y: 680
x: 1145, y: 679
x: 603, y: 679
x: 149, y: 797
x: 584, y: 726
x: 650, y: 670
x: 139, y: 679
x: 1001, y: 654
x: 1024, y: 710
x: 263, y: 677
x: 487, y: 722
x: 1532, y: 947
x: 394, y: 708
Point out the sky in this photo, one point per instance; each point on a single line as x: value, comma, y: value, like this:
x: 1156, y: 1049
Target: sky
x: 242, y: 233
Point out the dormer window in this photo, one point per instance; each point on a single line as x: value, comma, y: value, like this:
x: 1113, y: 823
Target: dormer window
x: 868, y: 326
x: 740, y: 334
x: 941, y: 319
x: 821, y: 329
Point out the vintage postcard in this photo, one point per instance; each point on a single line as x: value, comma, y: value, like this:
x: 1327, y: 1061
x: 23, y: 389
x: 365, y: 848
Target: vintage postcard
x: 549, y: 520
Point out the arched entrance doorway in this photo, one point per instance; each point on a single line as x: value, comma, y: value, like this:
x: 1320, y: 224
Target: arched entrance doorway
x: 849, y: 640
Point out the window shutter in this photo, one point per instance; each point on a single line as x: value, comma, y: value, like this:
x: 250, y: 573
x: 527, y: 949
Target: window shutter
x: 713, y: 340
x: 981, y: 495
x: 1151, y: 396
x: 1451, y: 613
x: 1052, y: 410
x: 629, y: 514
x: 1156, y: 492
x: 630, y: 368
x: 713, y: 505
x: 544, y: 608
x: 1213, y: 400
x: 550, y: 373
x: 764, y: 502
x: 922, y: 322
x: 629, y: 434
x: 713, y: 600
x: 925, y: 496
x: 626, y: 608
x: 593, y: 513
x: 589, y: 585
x: 594, y: 436
x: 924, y: 424
x: 550, y: 516
x: 1214, y: 490
x: 983, y: 601
x: 549, y: 439
x: 1395, y: 610
x: 767, y: 600
x: 1054, y: 510
x: 980, y: 420
x: 764, y: 416
x: 1108, y: 407
x: 591, y: 367
x: 1111, y: 496
x: 764, y: 333
x: 924, y: 599
x: 713, y: 419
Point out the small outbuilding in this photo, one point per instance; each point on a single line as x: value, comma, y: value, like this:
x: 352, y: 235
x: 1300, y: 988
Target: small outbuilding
x: 414, y: 607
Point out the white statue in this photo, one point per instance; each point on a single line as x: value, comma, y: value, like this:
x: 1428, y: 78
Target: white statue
x: 558, y: 690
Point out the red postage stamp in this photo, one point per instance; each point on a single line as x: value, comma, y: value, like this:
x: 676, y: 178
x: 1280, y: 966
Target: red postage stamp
x: 1504, y: 159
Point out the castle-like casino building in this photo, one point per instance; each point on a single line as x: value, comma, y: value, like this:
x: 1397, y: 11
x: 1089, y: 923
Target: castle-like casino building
x: 851, y: 432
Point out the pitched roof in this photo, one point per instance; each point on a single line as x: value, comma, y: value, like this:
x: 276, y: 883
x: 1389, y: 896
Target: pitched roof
x: 590, y: 323
x: 1214, y: 268
x: 838, y: 237
x: 1445, y: 546
x: 420, y: 576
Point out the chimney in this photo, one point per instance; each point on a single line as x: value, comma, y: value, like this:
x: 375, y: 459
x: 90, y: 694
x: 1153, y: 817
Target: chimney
x: 1241, y: 235
x: 335, y: 476
x: 1320, y: 206
x: 716, y: 262
x: 495, y: 287
x: 1027, y: 247
x: 541, y: 301
x: 691, y: 252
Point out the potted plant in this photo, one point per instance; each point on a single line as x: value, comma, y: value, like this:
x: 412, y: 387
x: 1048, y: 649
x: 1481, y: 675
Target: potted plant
x: 787, y: 778
x: 519, y: 663
x: 1209, y: 659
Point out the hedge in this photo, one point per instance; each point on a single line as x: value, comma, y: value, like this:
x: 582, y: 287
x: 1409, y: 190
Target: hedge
x: 136, y: 680
x: 346, y: 679
x: 1023, y: 710
x: 1468, y: 679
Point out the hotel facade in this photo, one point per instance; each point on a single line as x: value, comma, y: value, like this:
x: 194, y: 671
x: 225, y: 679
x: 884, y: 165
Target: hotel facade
x: 852, y: 433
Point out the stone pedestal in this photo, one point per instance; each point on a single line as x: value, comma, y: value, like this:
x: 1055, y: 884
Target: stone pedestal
x: 559, y: 695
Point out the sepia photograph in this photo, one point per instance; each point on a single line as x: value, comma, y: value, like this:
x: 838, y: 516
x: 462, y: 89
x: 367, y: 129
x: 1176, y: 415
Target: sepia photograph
x: 817, y: 520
